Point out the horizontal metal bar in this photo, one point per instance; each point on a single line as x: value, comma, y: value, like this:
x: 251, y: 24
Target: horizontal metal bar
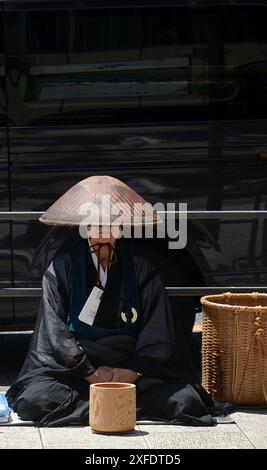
x: 189, y: 214
x: 20, y: 215
x: 199, y: 291
x: 229, y: 215
x: 172, y: 291
x: 14, y: 5
x: 20, y: 292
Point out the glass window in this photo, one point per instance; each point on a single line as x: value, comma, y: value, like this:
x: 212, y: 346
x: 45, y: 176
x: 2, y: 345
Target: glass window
x: 156, y: 64
x: 2, y: 75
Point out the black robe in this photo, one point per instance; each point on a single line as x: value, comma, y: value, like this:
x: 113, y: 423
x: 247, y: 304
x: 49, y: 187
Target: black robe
x: 51, y: 390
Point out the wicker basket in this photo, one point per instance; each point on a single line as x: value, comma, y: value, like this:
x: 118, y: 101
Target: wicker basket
x: 234, y: 347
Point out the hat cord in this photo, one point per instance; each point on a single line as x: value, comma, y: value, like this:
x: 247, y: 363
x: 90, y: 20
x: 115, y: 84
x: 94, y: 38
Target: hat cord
x: 112, y: 257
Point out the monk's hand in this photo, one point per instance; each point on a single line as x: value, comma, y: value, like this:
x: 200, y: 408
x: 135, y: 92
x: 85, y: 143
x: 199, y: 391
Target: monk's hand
x: 102, y: 374
x: 124, y: 375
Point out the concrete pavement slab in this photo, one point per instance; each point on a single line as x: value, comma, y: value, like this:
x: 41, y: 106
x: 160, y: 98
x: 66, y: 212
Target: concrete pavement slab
x: 167, y: 428
x: 84, y: 438
x: 20, y: 438
x: 256, y: 434
x: 252, y: 416
x: 253, y: 424
x: 249, y: 431
x: 209, y: 439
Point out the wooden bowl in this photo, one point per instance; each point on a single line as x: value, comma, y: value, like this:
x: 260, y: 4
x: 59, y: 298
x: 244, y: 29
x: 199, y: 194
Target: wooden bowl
x: 112, y: 407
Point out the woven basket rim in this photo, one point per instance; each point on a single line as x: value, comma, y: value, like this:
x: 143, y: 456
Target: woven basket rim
x: 208, y: 300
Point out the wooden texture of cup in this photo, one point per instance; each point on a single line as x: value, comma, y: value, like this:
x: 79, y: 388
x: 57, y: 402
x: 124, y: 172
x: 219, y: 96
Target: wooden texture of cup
x: 112, y: 407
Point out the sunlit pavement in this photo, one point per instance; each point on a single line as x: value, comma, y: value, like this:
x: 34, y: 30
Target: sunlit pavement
x: 248, y: 432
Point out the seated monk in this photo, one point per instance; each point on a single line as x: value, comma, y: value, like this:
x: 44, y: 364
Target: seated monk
x: 125, y: 336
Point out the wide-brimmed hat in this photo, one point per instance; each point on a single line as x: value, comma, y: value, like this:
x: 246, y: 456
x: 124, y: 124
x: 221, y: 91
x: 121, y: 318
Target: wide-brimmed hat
x: 93, y: 199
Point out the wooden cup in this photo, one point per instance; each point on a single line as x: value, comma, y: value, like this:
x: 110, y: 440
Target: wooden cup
x: 112, y: 407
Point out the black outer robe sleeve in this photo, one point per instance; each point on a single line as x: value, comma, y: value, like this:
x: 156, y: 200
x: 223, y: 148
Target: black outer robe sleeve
x: 53, y: 345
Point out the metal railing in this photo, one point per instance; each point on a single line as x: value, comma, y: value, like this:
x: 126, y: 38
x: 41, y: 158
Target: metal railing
x: 230, y: 215
x: 172, y: 291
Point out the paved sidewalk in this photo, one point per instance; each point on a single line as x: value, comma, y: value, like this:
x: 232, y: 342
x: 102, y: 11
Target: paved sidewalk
x: 249, y: 432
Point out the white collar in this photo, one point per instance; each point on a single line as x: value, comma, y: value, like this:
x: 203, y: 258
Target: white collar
x: 103, y: 273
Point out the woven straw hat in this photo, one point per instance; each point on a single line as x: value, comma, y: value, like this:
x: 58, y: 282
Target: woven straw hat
x: 91, y: 200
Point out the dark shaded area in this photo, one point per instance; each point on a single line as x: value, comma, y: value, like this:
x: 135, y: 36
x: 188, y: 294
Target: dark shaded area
x: 13, y: 350
x: 14, y: 347
x: 196, y: 350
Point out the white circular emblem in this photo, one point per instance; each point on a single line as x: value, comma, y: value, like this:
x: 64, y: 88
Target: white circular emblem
x: 134, y: 317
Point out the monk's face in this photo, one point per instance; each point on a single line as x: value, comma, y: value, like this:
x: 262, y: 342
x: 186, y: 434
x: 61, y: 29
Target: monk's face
x: 103, y: 234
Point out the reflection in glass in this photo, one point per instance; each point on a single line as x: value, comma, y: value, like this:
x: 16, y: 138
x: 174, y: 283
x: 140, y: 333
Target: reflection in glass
x: 2, y: 74
x: 140, y: 64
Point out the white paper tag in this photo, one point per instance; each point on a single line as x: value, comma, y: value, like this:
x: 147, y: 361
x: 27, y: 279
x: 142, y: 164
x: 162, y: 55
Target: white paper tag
x: 90, y: 307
